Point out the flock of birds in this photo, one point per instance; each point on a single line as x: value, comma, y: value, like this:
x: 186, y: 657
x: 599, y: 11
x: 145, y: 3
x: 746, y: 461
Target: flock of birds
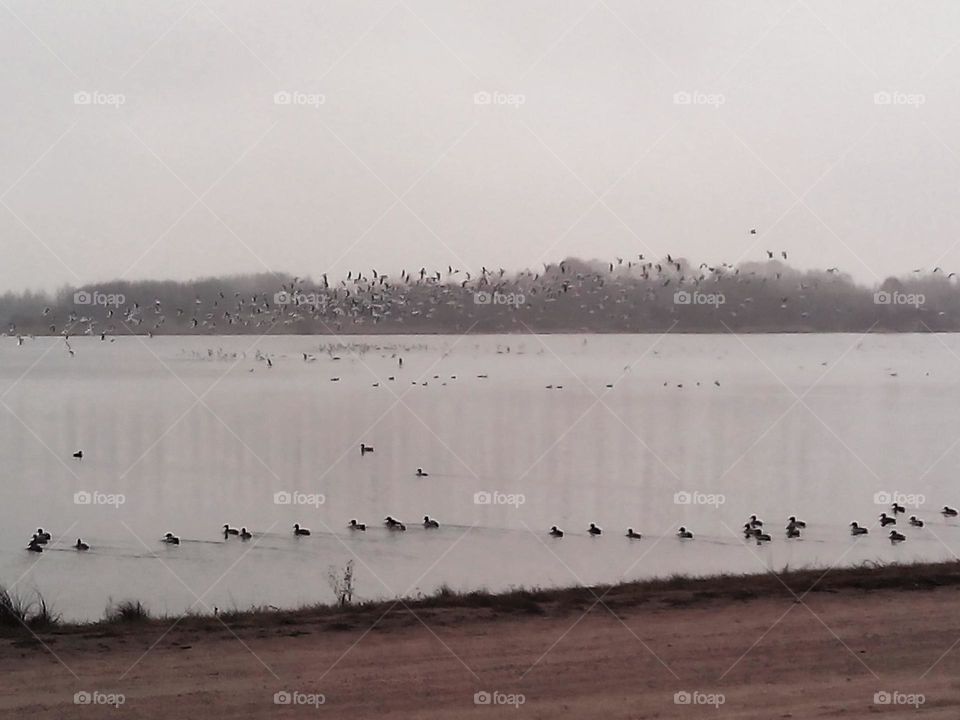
x: 605, y: 288
x: 752, y: 529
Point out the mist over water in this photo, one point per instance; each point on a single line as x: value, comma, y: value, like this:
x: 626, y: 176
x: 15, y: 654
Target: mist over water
x: 195, y: 432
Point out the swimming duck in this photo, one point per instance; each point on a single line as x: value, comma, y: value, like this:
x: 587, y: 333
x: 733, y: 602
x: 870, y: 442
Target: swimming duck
x: 171, y: 539
x: 556, y: 532
x: 227, y: 530
x: 81, y: 545
x: 857, y: 530
x: 887, y: 520
x: 897, y: 508
x: 633, y: 535
x: 354, y: 525
x: 793, y: 531
x: 948, y: 511
x: 421, y: 473
x: 594, y: 530
x: 755, y: 521
x: 684, y: 534
x: 42, y: 537
x: 793, y: 522
x: 364, y: 449
x: 34, y: 546
x: 896, y: 537
x: 747, y: 531
x: 390, y: 521
x: 915, y: 521
x: 245, y: 534
x: 78, y: 454
x: 761, y: 537
x: 430, y: 524
x: 297, y: 530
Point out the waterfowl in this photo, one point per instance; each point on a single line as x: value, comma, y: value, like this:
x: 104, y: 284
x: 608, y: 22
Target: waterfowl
x: 81, y: 545
x: 684, y: 534
x: 42, y: 536
x: 896, y: 537
x: 78, y: 454
x: 857, y: 530
x: 398, y: 527
x: 429, y: 524
x: 556, y: 532
x: 297, y: 530
x: 747, y: 531
x: 594, y: 530
x: 227, y: 530
x: 897, y: 508
x: 390, y: 521
x: 421, y: 473
x: 793, y: 522
x: 171, y: 539
x: 755, y: 521
x: 948, y: 511
x: 761, y: 537
x: 633, y: 535
x: 354, y: 525
x: 245, y: 534
x: 34, y: 546
x: 793, y: 531
x: 887, y: 520
x: 364, y: 449
x: 915, y: 521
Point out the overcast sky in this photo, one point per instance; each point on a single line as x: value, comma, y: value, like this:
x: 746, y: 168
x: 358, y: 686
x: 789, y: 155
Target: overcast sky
x: 181, y: 160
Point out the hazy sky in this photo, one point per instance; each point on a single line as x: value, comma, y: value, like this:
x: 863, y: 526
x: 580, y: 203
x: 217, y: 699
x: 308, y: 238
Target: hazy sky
x: 184, y: 164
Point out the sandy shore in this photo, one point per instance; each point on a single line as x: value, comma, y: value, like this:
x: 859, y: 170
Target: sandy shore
x: 745, y: 641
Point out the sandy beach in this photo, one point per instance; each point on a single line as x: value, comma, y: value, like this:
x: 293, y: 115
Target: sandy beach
x: 747, y: 645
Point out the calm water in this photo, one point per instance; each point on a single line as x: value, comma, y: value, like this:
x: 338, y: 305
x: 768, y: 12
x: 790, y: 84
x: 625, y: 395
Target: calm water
x: 198, y: 432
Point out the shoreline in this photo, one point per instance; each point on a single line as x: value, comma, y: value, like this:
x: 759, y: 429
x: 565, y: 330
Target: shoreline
x: 664, y: 592
x: 728, y: 646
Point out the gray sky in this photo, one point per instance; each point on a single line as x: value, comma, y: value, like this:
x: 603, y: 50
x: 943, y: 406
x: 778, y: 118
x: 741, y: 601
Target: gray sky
x: 384, y: 158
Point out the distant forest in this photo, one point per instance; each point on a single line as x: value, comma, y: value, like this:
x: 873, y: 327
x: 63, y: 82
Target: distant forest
x: 572, y: 296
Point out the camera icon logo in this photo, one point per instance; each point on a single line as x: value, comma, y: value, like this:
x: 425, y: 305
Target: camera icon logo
x: 482, y: 698
x: 82, y: 698
x: 82, y: 498
x: 682, y: 697
x: 682, y: 297
x: 282, y: 697
x: 682, y: 498
x: 482, y: 298
x: 482, y: 98
x: 82, y: 297
x: 282, y: 98
x: 882, y: 98
x: 882, y: 298
x: 882, y: 697
x: 282, y: 498
x: 482, y: 498
x: 82, y: 98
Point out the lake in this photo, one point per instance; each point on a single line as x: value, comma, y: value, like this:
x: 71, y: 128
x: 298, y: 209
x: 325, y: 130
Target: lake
x: 184, y: 434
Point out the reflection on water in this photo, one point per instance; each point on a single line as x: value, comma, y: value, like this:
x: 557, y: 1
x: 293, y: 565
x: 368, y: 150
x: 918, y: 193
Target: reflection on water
x: 515, y: 433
